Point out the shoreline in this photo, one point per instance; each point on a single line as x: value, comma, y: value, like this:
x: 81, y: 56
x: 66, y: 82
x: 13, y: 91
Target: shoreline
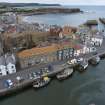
x: 39, y: 11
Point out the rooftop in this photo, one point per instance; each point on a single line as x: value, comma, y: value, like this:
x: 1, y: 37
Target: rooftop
x: 39, y: 51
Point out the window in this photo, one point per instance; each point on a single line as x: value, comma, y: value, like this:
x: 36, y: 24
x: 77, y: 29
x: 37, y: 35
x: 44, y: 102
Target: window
x: 12, y: 67
x: 65, y: 53
x: 59, y: 55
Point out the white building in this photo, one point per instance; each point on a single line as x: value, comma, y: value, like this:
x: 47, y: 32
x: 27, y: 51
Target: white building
x: 78, y: 50
x: 3, y: 70
x: 97, y: 40
x: 10, y: 63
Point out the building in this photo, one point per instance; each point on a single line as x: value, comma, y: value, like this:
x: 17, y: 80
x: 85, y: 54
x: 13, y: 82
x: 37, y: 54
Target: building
x: 10, y: 63
x: 24, y: 40
x: 37, y: 56
x: 7, y: 64
x: 3, y: 70
x: 97, y: 40
x: 78, y: 49
x: 55, y: 31
x: 67, y: 31
x: 67, y: 50
x: 44, y: 55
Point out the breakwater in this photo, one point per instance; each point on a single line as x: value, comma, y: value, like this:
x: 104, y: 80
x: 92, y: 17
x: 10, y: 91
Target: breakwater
x: 102, y: 20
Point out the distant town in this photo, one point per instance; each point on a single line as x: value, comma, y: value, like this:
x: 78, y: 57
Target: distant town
x: 30, y: 52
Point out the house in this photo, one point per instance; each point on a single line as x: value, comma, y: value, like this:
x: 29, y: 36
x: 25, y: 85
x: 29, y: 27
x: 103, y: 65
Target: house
x: 67, y: 31
x: 86, y: 49
x: 67, y: 50
x: 10, y: 63
x: 78, y: 49
x: 97, y: 40
x: 54, y: 31
x: 3, y: 70
x: 82, y: 49
x: 46, y: 54
x: 82, y: 30
x: 38, y: 55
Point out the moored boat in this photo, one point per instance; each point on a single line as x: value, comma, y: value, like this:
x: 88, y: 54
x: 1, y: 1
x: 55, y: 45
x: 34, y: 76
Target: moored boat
x: 95, y: 60
x: 83, y: 65
x: 41, y: 82
x: 64, y: 74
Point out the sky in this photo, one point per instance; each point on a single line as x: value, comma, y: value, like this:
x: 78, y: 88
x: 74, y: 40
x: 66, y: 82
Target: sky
x: 65, y: 2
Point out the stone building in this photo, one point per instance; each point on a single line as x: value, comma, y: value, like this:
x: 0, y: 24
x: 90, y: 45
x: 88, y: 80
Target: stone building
x: 67, y: 32
x: 44, y: 55
x: 24, y: 40
x: 36, y: 56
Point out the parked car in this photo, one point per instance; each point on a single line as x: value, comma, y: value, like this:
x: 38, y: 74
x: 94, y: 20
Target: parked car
x: 19, y: 79
x: 93, y: 49
x: 80, y: 59
x: 95, y: 53
x: 8, y: 83
x: 30, y: 76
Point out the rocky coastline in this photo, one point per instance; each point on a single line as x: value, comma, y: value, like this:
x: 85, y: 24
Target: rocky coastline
x: 51, y: 11
x: 43, y: 11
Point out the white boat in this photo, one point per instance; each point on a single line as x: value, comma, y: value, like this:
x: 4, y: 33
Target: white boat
x: 65, y: 73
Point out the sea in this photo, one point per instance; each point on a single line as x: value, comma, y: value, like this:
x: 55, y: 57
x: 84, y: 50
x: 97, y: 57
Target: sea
x: 87, y: 88
x: 74, y: 19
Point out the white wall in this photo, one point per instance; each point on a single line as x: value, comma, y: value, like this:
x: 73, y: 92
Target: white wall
x: 11, y: 68
x: 3, y: 70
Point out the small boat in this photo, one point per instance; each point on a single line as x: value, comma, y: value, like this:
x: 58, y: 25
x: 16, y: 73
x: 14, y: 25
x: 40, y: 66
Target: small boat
x: 64, y: 74
x: 95, y: 60
x: 83, y: 65
x: 41, y: 82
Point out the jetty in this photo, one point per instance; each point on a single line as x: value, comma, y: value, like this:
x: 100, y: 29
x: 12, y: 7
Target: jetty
x: 91, y: 22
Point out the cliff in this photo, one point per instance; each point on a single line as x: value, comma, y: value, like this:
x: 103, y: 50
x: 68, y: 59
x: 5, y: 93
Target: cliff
x: 47, y: 11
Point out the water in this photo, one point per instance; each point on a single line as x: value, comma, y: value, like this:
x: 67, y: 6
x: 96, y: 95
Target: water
x: 94, y: 12
x: 80, y: 89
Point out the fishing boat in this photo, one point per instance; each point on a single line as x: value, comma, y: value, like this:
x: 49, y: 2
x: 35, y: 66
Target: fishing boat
x: 41, y: 82
x: 64, y: 74
x: 95, y: 60
x: 83, y: 65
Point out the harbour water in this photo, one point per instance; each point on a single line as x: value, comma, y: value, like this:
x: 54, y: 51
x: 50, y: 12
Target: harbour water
x: 90, y: 12
x: 82, y: 88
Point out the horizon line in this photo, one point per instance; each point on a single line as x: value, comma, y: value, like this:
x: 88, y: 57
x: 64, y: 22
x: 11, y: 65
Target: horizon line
x: 59, y: 4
